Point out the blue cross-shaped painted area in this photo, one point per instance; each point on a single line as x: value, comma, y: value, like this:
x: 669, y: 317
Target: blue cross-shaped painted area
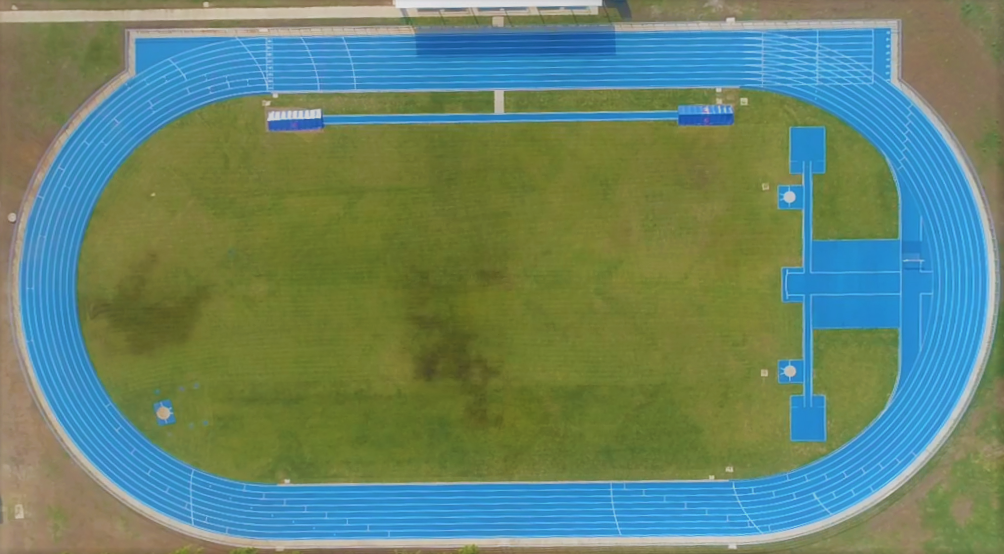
x: 847, y: 284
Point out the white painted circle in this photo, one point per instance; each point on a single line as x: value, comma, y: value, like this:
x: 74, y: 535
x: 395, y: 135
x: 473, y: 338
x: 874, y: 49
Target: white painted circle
x: 789, y: 371
x: 12, y: 217
x: 152, y: 194
x: 789, y: 196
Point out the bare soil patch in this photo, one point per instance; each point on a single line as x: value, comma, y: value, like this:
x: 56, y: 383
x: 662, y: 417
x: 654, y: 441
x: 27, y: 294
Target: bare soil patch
x: 962, y: 509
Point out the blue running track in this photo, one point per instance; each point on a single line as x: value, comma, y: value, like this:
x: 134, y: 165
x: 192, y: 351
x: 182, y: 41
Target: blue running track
x: 516, y: 117
x: 844, y: 71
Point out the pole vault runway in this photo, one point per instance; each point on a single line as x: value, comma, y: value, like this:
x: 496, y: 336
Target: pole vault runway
x: 849, y: 69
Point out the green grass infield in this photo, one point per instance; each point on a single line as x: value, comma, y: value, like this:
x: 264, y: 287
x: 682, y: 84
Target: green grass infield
x: 563, y: 301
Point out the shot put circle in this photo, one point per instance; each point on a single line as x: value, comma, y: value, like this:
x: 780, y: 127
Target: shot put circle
x: 163, y: 412
x: 789, y: 371
x: 789, y: 197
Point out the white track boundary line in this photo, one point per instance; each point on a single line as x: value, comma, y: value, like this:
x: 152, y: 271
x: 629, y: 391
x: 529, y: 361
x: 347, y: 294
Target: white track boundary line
x: 264, y: 77
x: 317, y: 74
x: 613, y: 509
x: 352, y: 65
x: 191, y: 497
x: 743, y: 508
x: 183, y: 76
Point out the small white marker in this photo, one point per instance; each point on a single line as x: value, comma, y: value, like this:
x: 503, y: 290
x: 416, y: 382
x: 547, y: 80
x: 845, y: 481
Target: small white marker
x: 718, y: 90
x: 764, y: 373
x: 728, y: 469
x: 730, y: 20
x: 718, y: 101
x: 12, y: 217
x: 764, y: 186
x: 499, y: 101
x: 152, y: 194
x: 744, y: 101
x: 711, y: 477
x: 18, y: 511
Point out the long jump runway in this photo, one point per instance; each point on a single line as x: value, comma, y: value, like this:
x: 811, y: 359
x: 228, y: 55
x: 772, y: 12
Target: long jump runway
x: 850, y: 72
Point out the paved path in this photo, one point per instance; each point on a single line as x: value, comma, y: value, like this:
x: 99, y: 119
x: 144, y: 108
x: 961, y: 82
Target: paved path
x: 201, y: 14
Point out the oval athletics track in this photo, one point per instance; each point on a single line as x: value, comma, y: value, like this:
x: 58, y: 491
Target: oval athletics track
x: 842, y: 70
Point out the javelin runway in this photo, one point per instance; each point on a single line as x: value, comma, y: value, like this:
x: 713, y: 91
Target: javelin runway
x: 845, y: 71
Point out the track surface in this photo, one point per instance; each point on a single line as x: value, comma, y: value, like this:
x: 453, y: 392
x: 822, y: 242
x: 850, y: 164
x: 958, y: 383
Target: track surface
x: 516, y: 117
x: 846, y: 72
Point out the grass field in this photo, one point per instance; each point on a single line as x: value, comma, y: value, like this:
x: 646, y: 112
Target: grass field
x: 560, y: 301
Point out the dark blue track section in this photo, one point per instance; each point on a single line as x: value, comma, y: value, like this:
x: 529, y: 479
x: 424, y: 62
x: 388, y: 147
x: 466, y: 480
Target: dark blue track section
x: 837, y: 70
x: 591, y: 42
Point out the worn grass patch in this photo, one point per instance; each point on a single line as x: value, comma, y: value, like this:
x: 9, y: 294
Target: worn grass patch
x: 45, y: 73
x: 469, y: 302
x: 57, y: 522
x: 990, y: 145
x: 986, y: 18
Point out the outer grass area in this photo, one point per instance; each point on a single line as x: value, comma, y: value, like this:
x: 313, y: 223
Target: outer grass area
x: 46, y: 71
x: 985, y: 17
x: 471, y: 302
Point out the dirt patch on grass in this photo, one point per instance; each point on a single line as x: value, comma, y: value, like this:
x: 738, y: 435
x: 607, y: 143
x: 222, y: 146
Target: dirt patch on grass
x: 902, y: 523
x: 962, y: 510
x: 150, y: 323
